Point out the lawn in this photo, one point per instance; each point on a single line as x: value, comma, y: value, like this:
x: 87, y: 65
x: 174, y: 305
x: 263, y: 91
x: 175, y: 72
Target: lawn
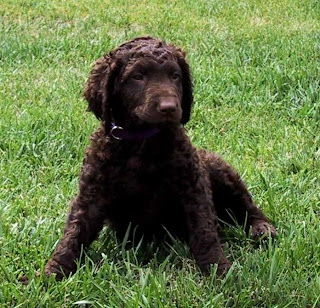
x: 256, y: 75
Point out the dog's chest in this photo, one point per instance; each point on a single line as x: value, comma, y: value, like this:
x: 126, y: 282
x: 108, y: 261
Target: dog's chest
x: 144, y: 191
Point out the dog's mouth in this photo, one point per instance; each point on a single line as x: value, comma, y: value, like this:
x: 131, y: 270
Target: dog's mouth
x: 155, y: 117
x: 160, y: 113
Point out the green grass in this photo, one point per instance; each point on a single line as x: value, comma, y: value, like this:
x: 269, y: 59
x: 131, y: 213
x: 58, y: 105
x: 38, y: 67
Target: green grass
x: 256, y: 71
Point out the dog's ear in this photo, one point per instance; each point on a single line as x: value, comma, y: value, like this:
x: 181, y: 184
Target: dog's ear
x: 187, y: 96
x: 99, y: 88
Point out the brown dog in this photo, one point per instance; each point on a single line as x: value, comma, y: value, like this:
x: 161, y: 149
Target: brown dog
x: 141, y: 167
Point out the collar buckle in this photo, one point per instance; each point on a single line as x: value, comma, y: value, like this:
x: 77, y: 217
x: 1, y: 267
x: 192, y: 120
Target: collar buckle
x: 114, y: 130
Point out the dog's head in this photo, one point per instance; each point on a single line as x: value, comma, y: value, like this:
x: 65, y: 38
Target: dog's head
x: 143, y: 81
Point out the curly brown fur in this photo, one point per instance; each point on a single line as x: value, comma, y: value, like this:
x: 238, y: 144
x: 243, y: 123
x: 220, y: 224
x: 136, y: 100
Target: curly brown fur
x: 155, y: 183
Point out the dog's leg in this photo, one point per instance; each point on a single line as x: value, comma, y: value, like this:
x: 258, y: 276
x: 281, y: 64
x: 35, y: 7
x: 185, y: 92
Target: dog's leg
x: 234, y: 204
x: 203, y: 233
x: 84, y: 222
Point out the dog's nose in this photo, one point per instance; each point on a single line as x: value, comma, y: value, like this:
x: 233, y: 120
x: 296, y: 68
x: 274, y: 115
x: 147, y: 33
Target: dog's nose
x: 167, y: 106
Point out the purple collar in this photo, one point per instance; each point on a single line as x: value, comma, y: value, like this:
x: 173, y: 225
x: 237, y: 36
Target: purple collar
x: 119, y: 133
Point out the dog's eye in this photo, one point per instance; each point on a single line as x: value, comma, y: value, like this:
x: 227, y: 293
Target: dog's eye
x: 176, y: 76
x: 137, y: 77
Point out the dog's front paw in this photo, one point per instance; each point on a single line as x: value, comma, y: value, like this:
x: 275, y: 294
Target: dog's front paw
x: 54, y: 268
x: 263, y: 229
x: 223, y: 267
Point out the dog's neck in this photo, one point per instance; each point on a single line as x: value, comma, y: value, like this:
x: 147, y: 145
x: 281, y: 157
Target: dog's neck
x: 161, y: 144
x: 141, y: 132
x: 120, y: 133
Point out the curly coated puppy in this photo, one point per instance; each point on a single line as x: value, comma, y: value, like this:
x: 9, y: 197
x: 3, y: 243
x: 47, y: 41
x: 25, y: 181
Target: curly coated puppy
x: 141, y: 168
